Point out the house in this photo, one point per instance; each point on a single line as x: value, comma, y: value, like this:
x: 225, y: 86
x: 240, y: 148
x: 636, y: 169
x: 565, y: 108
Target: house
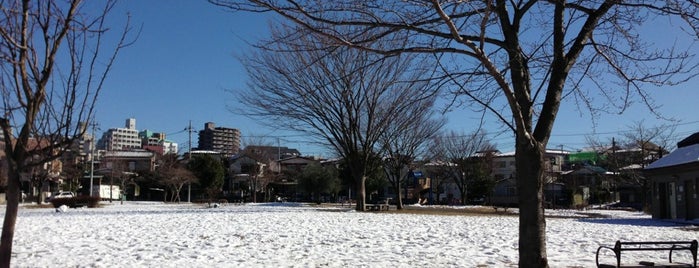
x: 295, y: 164
x: 133, y: 161
x: 248, y: 175
x: 284, y: 185
x: 38, y: 179
x: 505, y: 175
x: 674, y: 182
x: 121, y: 168
x: 261, y: 169
x: 590, y: 185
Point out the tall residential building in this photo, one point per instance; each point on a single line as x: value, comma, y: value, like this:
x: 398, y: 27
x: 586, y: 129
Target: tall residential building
x: 219, y: 139
x: 121, y: 139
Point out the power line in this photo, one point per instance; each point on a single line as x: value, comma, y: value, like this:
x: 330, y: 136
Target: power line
x: 617, y: 132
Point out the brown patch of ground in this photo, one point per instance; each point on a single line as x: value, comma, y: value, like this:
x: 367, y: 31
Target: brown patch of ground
x: 461, y: 211
x: 427, y: 210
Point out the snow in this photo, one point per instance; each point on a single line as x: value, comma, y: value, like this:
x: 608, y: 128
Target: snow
x: 296, y: 235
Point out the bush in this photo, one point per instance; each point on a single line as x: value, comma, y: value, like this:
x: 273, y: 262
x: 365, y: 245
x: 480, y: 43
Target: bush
x: 74, y: 202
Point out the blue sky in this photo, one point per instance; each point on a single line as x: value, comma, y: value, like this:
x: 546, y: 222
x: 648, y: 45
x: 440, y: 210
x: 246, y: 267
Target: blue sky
x: 183, y: 67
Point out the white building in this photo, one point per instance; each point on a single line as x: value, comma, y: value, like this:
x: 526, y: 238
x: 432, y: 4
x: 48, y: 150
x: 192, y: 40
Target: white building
x: 504, y: 165
x: 169, y: 147
x: 156, y: 142
x: 120, y: 139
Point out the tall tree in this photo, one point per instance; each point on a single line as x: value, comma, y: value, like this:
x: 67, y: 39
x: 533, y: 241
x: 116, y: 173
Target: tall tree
x: 404, y: 139
x: 53, y: 63
x: 259, y: 161
x: 346, y: 98
x: 518, y: 60
x: 210, y: 173
x: 316, y: 180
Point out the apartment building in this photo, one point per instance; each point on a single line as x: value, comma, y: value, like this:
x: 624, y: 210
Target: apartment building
x: 219, y: 139
x: 121, y: 139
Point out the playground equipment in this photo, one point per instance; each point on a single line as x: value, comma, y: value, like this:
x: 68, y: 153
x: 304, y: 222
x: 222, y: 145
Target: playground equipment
x: 421, y: 186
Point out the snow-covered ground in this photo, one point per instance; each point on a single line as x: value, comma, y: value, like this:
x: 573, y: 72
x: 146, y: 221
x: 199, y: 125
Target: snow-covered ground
x: 295, y: 235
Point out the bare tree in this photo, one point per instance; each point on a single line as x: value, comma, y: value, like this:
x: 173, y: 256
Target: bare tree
x: 465, y: 157
x: 346, y: 98
x: 44, y: 99
x: 114, y: 170
x: 255, y: 165
x: 41, y: 176
x: 643, y: 145
x: 517, y: 60
x: 71, y: 172
x: 174, y: 175
x: 597, y: 145
x: 261, y: 167
x: 652, y: 142
x: 404, y: 139
x: 3, y: 169
x: 639, y: 145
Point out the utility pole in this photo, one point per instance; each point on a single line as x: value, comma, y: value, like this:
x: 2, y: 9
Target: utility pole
x: 92, y: 156
x: 614, y: 160
x: 189, y: 158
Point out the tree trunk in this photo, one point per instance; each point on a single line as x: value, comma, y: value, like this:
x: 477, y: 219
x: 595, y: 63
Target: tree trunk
x: 254, y: 190
x: 40, y: 197
x: 532, y: 224
x: 176, y: 194
x: 8, y: 227
x: 361, y: 194
x: 399, y: 197
x: 464, y: 193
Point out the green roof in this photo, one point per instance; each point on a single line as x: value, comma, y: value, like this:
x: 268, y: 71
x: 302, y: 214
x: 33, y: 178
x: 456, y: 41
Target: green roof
x: 584, y: 157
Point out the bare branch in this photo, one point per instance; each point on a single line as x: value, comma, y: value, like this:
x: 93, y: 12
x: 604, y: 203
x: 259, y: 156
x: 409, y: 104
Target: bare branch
x: 43, y: 104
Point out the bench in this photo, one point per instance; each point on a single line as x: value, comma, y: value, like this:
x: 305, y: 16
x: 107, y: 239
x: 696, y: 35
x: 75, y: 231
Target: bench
x: 376, y: 207
x: 496, y: 208
x: 670, y: 246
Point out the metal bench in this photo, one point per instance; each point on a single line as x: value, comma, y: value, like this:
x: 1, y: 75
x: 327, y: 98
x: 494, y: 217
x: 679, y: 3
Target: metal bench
x: 378, y: 206
x: 670, y: 246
